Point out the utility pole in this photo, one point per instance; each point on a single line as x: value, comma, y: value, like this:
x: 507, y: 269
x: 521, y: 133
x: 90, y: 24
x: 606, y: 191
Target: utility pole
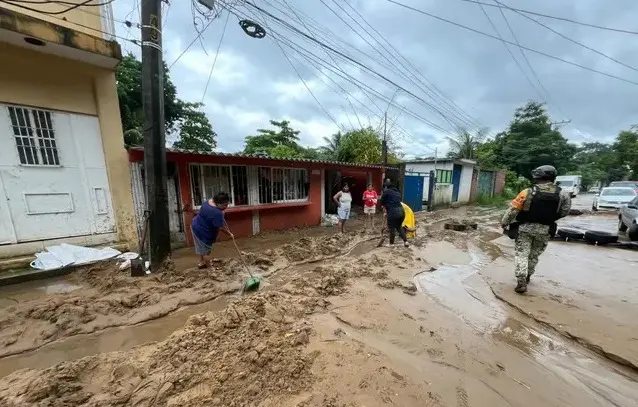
x: 384, y: 144
x: 154, y: 134
x: 557, y: 124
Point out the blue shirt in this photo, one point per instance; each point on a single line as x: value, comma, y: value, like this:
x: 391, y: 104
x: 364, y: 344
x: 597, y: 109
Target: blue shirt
x: 207, y: 223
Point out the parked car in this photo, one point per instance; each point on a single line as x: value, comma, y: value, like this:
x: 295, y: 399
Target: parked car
x: 630, y: 184
x: 613, y: 198
x: 627, y: 219
x: 594, y: 190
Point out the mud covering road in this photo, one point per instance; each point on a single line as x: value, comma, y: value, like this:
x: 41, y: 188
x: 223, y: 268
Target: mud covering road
x: 374, y: 327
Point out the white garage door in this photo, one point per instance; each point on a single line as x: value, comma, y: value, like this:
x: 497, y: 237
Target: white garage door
x: 53, y: 180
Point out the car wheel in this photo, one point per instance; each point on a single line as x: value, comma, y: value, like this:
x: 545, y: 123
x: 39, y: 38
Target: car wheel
x: 632, y: 232
x: 570, y: 234
x: 600, y: 238
x: 621, y: 226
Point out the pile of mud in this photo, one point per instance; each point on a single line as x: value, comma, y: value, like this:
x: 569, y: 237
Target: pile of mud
x: 241, y: 356
x: 309, y: 249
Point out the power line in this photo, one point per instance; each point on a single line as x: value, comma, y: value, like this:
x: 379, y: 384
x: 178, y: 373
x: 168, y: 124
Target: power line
x: 197, y: 37
x: 565, y: 37
x: 219, y: 45
x: 569, y: 20
x: 509, y: 51
x: 72, y: 7
x: 509, y: 42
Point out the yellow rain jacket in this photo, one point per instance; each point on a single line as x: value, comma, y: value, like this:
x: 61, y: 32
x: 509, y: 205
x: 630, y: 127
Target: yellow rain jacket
x: 409, y: 222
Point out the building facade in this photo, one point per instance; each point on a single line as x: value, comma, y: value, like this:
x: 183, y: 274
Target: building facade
x: 63, y: 167
x: 453, y: 178
x: 266, y: 194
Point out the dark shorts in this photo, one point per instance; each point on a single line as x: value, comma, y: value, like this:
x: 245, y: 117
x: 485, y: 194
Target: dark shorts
x: 201, y: 248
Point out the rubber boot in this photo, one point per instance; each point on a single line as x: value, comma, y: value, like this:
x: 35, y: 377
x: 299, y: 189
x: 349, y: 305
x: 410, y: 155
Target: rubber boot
x: 521, y: 287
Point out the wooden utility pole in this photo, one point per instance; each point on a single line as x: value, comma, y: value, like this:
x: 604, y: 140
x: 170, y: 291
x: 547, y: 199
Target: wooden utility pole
x: 154, y: 134
x: 384, y: 144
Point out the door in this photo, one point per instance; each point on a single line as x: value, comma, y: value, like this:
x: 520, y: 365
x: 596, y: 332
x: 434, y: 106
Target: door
x: 54, y: 175
x: 7, y: 234
x: 413, y: 192
x: 485, y: 183
x: 456, y: 181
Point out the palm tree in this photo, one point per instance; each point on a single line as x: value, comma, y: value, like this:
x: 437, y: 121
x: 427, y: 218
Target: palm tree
x: 464, y: 143
x: 333, y: 145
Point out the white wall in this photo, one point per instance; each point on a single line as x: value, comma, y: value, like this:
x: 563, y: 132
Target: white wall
x: 465, y: 188
x: 427, y: 167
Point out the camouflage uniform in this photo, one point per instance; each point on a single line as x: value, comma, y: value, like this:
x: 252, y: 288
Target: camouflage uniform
x: 532, y: 238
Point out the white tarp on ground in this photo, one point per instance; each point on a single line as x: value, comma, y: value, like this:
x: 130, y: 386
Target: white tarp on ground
x: 65, y: 255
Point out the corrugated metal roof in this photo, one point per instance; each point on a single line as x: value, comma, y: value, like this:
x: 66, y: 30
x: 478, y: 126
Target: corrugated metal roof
x: 258, y: 156
x: 431, y: 160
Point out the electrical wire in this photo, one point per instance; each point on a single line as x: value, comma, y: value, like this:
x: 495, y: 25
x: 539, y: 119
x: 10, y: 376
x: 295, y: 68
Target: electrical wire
x: 197, y: 37
x: 569, y: 20
x: 73, y: 7
x: 219, y: 45
x: 503, y: 5
x: 548, y: 97
x: 509, y: 51
x: 509, y: 42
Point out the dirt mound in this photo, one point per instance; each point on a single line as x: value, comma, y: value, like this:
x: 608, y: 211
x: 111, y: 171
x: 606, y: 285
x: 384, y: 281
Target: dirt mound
x: 242, y: 356
x: 307, y: 249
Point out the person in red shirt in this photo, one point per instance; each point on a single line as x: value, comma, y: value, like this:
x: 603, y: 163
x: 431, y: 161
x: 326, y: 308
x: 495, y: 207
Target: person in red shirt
x: 370, y: 198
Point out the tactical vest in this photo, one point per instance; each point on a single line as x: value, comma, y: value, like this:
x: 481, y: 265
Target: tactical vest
x: 543, y: 208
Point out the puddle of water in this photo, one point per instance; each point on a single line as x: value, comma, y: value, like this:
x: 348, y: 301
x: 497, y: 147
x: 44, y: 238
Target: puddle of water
x: 12, y: 294
x: 109, y: 340
x: 443, y: 252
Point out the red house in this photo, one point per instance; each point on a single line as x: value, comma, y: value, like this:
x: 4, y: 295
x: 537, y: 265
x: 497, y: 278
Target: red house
x: 266, y: 194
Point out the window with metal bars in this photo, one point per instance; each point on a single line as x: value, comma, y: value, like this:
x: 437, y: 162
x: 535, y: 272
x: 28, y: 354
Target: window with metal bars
x: 249, y: 185
x: 34, y: 136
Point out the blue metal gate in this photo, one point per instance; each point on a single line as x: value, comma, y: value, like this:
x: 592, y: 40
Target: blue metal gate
x: 418, y: 188
x: 456, y: 181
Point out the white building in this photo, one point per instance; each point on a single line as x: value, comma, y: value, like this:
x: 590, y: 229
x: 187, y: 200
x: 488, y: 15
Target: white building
x: 454, y: 178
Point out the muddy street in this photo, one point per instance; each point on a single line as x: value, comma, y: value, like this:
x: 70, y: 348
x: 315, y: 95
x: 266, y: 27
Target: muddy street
x: 338, y: 322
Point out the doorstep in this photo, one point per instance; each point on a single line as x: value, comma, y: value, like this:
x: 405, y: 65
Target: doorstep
x: 18, y: 270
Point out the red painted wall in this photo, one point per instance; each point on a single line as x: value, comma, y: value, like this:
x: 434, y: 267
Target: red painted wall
x: 271, y: 217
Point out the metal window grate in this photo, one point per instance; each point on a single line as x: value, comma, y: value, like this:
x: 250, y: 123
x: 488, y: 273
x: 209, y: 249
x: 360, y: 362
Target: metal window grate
x: 34, y: 136
x: 249, y: 185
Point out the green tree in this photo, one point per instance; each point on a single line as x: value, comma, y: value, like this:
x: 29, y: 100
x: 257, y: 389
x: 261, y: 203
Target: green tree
x: 195, y: 130
x: 362, y: 146
x: 268, y: 139
x: 128, y: 77
x: 465, y: 144
x: 626, y: 149
x: 333, y: 145
x: 531, y: 141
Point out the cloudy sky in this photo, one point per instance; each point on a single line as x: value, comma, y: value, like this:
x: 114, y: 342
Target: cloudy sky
x: 427, y: 74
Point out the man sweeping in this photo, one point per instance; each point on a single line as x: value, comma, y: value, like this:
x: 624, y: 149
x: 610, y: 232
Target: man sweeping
x: 206, y: 226
x: 535, y: 209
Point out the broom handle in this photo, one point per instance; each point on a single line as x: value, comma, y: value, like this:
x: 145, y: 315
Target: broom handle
x: 241, y: 256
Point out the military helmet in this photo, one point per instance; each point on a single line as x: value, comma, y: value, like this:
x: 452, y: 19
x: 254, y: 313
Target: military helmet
x: 544, y: 172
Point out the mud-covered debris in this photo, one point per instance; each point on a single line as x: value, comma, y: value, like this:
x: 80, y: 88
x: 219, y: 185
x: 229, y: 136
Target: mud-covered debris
x: 409, y: 288
x: 460, y: 225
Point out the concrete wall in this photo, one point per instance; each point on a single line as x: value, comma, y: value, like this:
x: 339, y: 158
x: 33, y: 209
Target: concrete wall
x: 443, y: 192
x: 39, y: 80
x: 465, y: 189
x: 85, y: 19
x: 499, y: 183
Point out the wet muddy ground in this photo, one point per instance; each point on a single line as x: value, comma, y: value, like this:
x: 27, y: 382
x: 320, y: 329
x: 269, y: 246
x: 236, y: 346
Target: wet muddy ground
x: 340, y: 322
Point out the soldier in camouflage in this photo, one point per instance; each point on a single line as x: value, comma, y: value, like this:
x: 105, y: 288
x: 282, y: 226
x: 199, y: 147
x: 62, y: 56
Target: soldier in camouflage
x: 535, y: 209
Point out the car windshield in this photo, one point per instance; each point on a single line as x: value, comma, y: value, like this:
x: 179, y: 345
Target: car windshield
x: 565, y: 183
x: 617, y: 192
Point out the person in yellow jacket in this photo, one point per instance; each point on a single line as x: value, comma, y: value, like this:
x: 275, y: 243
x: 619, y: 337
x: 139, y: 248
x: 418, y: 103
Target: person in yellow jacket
x: 409, y: 222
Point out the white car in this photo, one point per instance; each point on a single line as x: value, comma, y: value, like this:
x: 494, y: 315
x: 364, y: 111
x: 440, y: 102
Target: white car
x: 613, y: 198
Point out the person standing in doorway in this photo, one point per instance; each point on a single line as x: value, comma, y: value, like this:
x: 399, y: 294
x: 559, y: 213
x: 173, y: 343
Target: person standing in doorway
x: 535, y: 210
x: 370, y: 198
x: 395, y: 215
x: 206, y: 225
x: 343, y: 199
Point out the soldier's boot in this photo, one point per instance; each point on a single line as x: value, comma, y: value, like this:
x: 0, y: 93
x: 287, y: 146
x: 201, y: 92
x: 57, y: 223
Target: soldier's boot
x: 521, y: 287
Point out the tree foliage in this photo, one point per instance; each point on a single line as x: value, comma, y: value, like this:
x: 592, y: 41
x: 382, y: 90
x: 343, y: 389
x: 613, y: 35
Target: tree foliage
x: 465, y: 144
x: 283, y: 138
x: 195, y: 130
x: 177, y: 113
x: 362, y: 146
